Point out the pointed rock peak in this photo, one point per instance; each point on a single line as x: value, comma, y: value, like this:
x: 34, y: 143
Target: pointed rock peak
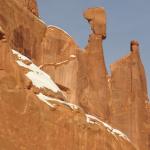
x: 97, y: 19
x: 134, y: 46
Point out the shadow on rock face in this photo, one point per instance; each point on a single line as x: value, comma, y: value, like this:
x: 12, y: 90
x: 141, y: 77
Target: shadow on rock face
x: 2, y: 34
x: 21, y: 40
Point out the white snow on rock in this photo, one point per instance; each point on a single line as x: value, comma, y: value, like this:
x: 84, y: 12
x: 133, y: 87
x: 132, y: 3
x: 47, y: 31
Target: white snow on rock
x: 44, y: 99
x: 93, y: 120
x: 59, y: 29
x: 41, y: 20
x: 20, y: 56
x: 51, y: 99
x: 38, y: 77
x: 62, y: 62
x: 72, y: 56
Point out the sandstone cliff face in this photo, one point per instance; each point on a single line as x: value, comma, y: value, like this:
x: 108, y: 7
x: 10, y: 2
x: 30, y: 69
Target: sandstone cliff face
x: 81, y: 72
x: 34, y: 116
x: 147, y: 125
x: 17, y: 21
x: 4, y: 55
x: 59, y: 59
x: 129, y: 97
x: 35, y: 112
x: 31, y: 5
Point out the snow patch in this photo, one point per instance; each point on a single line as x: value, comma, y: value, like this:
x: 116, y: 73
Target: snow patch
x: 72, y: 56
x: 62, y: 62
x: 90, y: 118
x: 51, y: 99
x: 20, y: 56
x: 39, y: 18
x: 44, y: 99
x: 38, y: 77
x: 59, y: 29
x: 93, y: 120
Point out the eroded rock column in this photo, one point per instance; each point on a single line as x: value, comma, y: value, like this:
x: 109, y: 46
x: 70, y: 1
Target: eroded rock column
x: 93, y: 88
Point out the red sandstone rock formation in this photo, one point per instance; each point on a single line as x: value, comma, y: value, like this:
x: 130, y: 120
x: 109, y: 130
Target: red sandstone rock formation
x: 129, y: 97
x: 31, y: 5
x: 35, y: 112
x: 34, y: 116
x: 59, y: 59
x: 93, y: 90
x: 18, y: 29
x: 97, y: 19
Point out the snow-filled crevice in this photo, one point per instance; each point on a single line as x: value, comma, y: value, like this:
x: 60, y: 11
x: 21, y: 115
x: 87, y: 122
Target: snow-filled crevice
x: 93, y: 120
x: 52, y: 100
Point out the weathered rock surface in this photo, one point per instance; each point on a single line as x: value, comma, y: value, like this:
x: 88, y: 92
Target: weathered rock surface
x: 33, y: 120
x: 82, y: 72
x: 31, y: 5
x: 59, y: 59
x: 93, y: 92
x: 129, y: 97
x: 35, y: 112
x: 97, y: 19
x: 17, y: 21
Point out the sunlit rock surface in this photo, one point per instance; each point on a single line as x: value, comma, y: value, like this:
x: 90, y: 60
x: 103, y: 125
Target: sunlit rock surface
x: 129, y: 97
x: 65, y: 105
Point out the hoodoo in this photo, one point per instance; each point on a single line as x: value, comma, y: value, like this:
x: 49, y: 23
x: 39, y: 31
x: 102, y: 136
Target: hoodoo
x: 93, y: 92
x: 97, y: 20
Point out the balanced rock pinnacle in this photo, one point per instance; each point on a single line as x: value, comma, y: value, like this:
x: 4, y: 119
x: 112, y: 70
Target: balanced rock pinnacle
x: 93, y: 90
x: 97, y: 19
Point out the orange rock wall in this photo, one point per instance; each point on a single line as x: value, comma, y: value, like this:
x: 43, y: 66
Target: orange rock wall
x: 31, y: 5
x: 128, y: 98
x: 26, y: 123
x: 17, y: 21
x: 81, y: 75
x: 59, y: 59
